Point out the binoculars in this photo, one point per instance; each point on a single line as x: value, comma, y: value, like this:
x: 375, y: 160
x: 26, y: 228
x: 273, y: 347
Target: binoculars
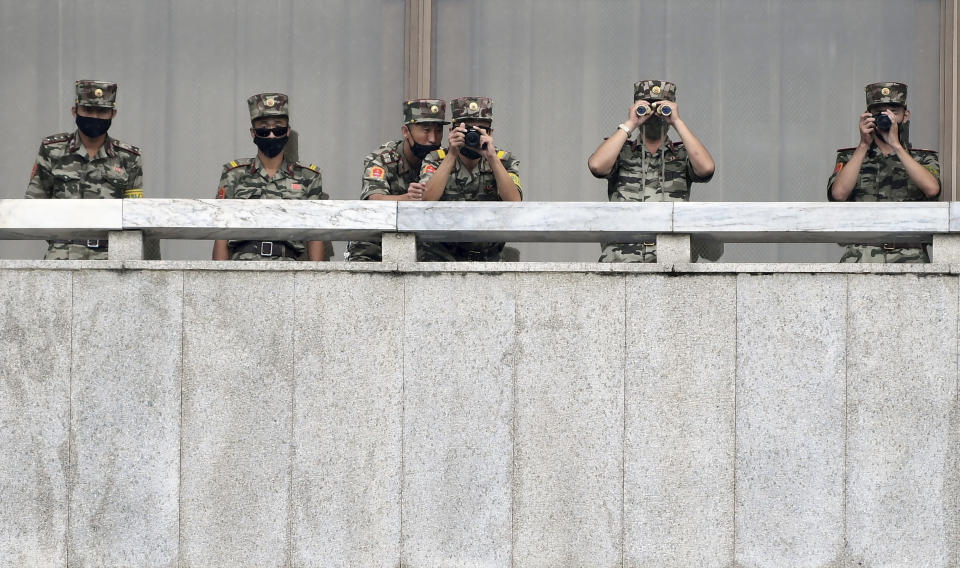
x: 662, y: 110
x: 883, y: 121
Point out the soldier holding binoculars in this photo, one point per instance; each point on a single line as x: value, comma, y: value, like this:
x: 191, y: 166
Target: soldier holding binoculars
x: 651, y: 168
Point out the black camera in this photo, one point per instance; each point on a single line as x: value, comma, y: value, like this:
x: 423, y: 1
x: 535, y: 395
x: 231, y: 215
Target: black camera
x: 472, y: 137
x: 883, y: 121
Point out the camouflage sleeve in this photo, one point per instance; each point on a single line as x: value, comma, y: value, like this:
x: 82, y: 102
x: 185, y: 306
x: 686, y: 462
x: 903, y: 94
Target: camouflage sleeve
x: 226, y: 189
x: 931, y: 161
x: 512, y: 164
x: 612, y: 174
x: 374, y: 177
x: 842, y: 159
x: 41, y: 178
x: 136, y: 175
x: 692, y: 175
x: 429, y: 166
x: 314, y: 189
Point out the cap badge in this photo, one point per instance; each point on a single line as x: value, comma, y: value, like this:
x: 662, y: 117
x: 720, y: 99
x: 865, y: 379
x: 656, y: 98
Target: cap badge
x: 434, y: 109
x: 269, y: 103
x: 98, y: 93
x: 473, y: 106
x: 655, y: 90
x: 885, y: 91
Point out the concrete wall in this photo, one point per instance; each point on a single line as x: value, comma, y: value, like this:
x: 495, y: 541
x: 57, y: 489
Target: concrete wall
x: 262, y: 414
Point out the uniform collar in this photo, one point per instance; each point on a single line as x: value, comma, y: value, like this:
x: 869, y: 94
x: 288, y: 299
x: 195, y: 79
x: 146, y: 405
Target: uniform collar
x: 107, y: 148
x: 285, y: 166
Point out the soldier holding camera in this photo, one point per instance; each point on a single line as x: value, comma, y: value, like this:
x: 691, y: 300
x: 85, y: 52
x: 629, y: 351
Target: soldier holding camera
x: 883, y: 167
x: 651, y: 168
x: 472, y: 169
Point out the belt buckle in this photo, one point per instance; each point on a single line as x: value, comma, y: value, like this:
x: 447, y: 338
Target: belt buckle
x: 653, y: 244
x: 888, y: 246
x: 94, y: 243
x: 264, y: 250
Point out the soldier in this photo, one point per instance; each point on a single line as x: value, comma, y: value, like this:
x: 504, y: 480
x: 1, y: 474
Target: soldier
x: 651, y: 168
x: 392, y: 172
x: 469, y: 172
x: 86, y: 164
x: 269, y: 176
x: 883, y: 167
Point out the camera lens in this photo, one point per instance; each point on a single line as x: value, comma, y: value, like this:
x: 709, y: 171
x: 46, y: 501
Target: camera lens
x: 472, y: 138
x: 883, y: 121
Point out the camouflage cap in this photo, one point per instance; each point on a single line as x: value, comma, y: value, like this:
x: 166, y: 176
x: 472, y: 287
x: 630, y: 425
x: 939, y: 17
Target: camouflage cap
x: 99, y: 94
x: 424, y: 110
x: 472, y: 108
x: 886, y: 93
x: 653, y: 90
x: 263, y: 105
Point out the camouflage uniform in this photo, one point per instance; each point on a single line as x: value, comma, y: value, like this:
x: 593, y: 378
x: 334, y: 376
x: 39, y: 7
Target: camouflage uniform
x: 387, y: 171
x: 639, y: 175
x: 246, y: 179
x: 64, y: 170
x: 466, y: 185
x: 884, y: 178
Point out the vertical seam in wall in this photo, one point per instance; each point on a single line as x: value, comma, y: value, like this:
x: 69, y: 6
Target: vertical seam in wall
x: 513, y: 423
x: 623, y: 433
x: 293, y: 418
x: 736, y: 383
x: 183, y: 334
x: 846, y: 416
x: 69, y: 466
x: 403, y: 403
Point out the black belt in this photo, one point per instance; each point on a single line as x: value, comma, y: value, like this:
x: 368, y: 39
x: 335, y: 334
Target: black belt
x: 266, y: 249
x: 95, y: 244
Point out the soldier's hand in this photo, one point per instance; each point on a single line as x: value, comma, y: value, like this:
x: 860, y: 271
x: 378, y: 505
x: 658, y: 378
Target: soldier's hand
x: 674, y: 111
x: 633, y: 121
x: 486, y: 144
x: 892, y: 136
x: 415, y: 191
x: 456, y: 138
x: 868, y: 126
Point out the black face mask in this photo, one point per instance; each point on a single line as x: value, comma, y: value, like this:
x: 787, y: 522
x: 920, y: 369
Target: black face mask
x: 421, y: 150
x: 654, y: 128
x: 93, y: 127
x: 468, y: 153
x: 270, y: 146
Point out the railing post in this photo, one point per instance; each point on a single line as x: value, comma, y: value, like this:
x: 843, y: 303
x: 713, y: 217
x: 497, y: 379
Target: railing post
x: 946, y: 249
x: 125, y: 245
x: 673, y: 248
x: 399, y: 247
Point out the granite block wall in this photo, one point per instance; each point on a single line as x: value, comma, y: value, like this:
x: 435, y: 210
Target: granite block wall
x: 183, y: 414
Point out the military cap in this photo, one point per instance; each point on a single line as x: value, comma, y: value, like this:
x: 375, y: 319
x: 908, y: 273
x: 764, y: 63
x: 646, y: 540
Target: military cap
x: 264, y: 105
x: 886, y: 93
x: 653, y: 90
x: 424, y: 110
x: 99, y: 94
x: 472, y: 108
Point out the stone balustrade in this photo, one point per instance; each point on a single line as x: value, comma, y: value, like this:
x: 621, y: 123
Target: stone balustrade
x: 136, y: 220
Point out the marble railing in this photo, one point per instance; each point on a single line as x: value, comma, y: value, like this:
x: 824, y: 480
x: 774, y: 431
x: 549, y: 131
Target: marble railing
x: 672, y: 224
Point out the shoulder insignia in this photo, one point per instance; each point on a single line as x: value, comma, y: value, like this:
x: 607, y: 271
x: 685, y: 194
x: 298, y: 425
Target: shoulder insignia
x: 850, y: 149
x: 55, y: 138
x: 234, y: 164
x: 501, y: 154
x: 676, y: 145
x: 124, y: 146
x: 312, y: 167
x: 925, y: 151
x: 442, y: 153
x: 390, y: 156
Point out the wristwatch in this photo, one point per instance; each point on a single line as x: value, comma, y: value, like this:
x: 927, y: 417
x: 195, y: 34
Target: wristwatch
x: 625, y: 129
